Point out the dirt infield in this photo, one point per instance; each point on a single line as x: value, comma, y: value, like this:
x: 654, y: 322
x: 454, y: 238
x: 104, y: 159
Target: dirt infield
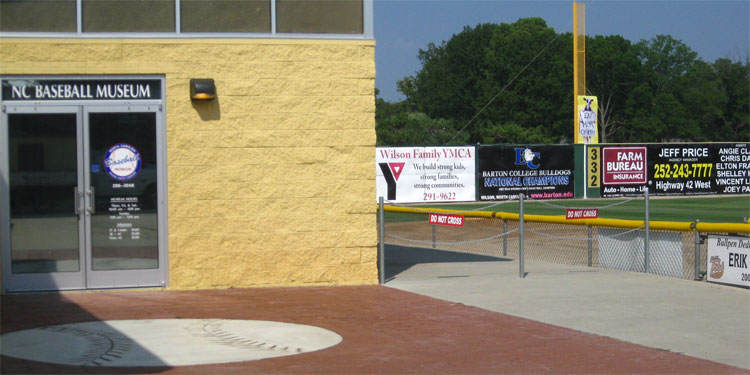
x: 384, y: 331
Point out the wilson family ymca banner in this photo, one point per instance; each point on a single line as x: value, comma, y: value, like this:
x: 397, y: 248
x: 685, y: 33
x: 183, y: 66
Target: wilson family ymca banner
x: 425, y: 174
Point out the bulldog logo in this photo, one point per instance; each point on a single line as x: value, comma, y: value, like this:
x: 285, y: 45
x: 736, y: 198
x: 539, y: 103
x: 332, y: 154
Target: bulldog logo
x: 717, y: 267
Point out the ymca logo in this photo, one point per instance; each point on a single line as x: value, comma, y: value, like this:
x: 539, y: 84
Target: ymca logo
x: 524, y: 156
x: 391, y: 173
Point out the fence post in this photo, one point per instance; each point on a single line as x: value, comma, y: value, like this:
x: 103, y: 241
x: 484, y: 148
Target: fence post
x: 505, y: 237
x: 434, y: 235
x: 646, y: 242
x: 591, y: 251
x: 697, y: 276
x: 381, y: 221
x: 521, y: 235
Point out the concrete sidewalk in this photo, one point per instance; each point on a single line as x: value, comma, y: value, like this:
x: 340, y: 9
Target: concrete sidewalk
x: 699, y: 319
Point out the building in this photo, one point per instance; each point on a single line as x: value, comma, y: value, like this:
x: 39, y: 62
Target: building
x: 186, y: 144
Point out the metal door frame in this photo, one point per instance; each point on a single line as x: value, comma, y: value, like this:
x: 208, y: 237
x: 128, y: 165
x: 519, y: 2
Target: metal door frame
x: 59, y: 281
x: 38, y: 281
x: 135, y: 277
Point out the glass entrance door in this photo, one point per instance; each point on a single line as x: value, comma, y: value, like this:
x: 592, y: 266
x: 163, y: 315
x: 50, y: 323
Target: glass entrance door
x: 43, y: 226
x: 121, y: 153
x: 83, y: 202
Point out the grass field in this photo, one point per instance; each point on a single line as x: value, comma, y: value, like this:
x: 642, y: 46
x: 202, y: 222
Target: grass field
x: 720, y: 209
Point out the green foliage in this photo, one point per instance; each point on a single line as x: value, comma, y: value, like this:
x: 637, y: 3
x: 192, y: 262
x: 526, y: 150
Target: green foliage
x: 513, y: 83
x: 451, y: 76
x: 397, y: 127
x: 703, y: 100
x: 734, y: 82
x: 532, y: 86
x: 671, y: 76
x: 613, y: 70
x: 414, y: 129
x: 666, y: 60
x: 510, y: 132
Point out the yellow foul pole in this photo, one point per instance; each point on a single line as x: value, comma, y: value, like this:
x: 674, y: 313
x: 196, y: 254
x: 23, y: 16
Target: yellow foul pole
x: 579, y: 62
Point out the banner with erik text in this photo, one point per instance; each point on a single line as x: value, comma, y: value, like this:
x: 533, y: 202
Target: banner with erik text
x: 425, y: 174
x: 727, y: 260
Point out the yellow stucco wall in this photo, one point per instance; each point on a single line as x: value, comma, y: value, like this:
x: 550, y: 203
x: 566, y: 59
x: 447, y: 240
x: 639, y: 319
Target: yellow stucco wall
x: 273, y: 182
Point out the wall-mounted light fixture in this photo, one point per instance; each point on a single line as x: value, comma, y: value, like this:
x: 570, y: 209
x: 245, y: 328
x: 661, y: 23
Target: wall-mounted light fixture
x: 202, y: 89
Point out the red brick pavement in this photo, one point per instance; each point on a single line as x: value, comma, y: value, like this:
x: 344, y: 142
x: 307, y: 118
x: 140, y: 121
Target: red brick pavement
x: 385, y: 331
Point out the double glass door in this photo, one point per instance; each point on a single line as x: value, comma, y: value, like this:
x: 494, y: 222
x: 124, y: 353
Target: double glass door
x: 82, y: 203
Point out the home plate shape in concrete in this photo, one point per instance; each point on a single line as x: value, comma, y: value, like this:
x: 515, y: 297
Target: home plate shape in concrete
x: 164, y: 342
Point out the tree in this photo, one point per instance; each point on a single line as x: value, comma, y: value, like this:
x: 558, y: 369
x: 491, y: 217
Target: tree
x: 494, y: 78
x: 612, y: 71
x: 661, y: 113
x: 395, y: 125
x: 416, y: 129
x: 530, y: 81
x: 451, y: 75
x: 704, y: 102
x: 513, y: 83
x: 734, y: 82
x: 666, y: 59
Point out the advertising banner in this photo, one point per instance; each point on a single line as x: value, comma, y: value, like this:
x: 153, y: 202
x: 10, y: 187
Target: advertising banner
x: 540, y: 172
x: 727, y: 260
x: 587, y: 108
x: 425, y: 174
x: 676, y: 169
x: 624, y: 170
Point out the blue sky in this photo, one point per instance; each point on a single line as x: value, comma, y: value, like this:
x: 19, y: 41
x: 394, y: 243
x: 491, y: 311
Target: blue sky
x: 715, y: 29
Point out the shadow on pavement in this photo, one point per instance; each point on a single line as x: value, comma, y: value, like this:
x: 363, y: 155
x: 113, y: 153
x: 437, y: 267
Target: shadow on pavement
x: 35, y: 310
x: 400, y: 258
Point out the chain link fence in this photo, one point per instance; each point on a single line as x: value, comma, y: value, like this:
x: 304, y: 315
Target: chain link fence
x: 488, y: 235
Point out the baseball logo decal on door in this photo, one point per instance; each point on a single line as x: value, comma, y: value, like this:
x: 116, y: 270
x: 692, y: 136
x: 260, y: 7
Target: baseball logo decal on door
x: 122, y: 162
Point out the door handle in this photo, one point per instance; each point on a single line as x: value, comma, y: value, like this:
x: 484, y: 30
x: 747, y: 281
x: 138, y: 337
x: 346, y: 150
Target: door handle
x: 76, y: 201
x: 91, y: 209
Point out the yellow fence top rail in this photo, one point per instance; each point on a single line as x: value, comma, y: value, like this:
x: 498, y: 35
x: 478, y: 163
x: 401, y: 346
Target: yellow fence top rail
x: 599, y: 222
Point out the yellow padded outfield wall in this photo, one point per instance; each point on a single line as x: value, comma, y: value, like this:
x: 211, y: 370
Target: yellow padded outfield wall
x: 270, y: 184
